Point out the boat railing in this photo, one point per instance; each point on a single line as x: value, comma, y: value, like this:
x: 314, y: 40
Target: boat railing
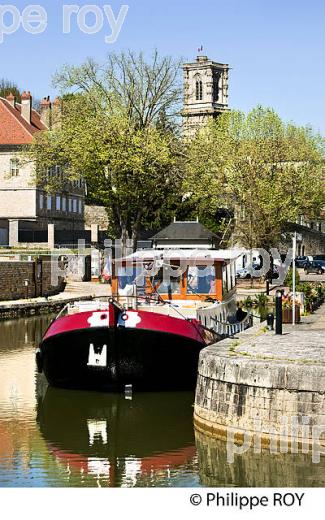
x: 213, y: 318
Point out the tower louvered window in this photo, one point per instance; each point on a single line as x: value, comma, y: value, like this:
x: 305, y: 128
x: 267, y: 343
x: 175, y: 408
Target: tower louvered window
x: 199, y: 90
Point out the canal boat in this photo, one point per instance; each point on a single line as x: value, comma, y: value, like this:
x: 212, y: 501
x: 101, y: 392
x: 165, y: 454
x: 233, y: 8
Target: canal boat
x: 103, y: 346
x: 151, y: 339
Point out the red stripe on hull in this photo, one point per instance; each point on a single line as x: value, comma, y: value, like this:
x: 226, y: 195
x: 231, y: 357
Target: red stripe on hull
x: 138, y: 319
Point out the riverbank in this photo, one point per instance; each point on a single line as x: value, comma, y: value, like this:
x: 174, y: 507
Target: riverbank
x: 35, y: 306
x: 256, y: 382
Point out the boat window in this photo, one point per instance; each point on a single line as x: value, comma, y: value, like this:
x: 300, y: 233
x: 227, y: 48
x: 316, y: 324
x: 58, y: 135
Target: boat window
x: 166, y: 286
x: 129, y: 276
x: 201, y: 279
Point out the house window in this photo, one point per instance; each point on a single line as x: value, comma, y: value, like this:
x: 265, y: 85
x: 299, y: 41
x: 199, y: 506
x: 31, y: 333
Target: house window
x: 70, y: 205
x: 58, y: 203
x: 75, y: 205
x: 14, y: 167
x: 49, y: 202
x: 54, y: 171
x: 199, y: 89
x: 80, y: 206
x: 41, y: 201
x: 64, y: 204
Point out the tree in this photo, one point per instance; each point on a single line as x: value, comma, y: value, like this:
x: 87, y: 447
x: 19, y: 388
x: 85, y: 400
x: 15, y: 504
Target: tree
x: 146, y: 91
x: 135, y: 172
x: 117, y: 129
x: 9, y: 87
x: 266, y: 171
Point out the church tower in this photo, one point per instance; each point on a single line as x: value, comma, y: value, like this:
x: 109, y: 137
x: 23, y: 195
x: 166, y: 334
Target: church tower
x: 205, y: 93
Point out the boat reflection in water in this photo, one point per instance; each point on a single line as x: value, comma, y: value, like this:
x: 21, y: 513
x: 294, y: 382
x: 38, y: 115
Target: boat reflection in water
x: 117, y: 440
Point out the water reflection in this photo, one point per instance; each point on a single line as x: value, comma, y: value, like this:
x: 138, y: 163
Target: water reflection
x: 255, y: 470
x: 51, y: 437
x: 16, y: 334
x: 113, y: 441
x: 20, y: 445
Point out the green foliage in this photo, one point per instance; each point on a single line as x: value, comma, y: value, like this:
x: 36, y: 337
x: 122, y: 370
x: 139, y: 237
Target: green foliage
x: 261, y: 299
x: 312, y: 293
x: 120, y: 137
x: 248, y: 302
x: 9, y: 87
x: 135, y: 172
x: 266, y: 171
x: 288, y: 282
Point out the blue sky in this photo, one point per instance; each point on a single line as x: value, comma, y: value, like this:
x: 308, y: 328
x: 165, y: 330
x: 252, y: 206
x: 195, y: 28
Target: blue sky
x: 275, y: 48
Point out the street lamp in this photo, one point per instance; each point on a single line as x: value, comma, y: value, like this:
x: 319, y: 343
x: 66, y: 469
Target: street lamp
x: 278, y: 312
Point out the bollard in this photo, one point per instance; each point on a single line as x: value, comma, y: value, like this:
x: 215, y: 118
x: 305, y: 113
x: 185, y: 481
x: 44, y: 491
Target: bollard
x: 270, y: 321
x: 268, y: 287
x: 278, y: 312
x: 251, y: 320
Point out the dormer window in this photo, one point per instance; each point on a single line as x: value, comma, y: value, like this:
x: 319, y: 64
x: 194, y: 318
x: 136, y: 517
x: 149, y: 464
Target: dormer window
x: 198, y: 88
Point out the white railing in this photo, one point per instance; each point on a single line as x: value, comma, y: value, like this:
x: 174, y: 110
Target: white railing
x: 216, y: 318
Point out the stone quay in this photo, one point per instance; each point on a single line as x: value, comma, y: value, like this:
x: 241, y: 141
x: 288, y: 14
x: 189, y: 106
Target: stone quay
x: 264, y: 384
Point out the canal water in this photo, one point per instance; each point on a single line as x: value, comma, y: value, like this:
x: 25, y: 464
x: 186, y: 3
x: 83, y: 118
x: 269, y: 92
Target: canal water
x: 58, y: 438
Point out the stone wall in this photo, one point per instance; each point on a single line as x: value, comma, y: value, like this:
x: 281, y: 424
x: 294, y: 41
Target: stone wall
x: 96, y: 215
x: 47, y: 288
x: 252, y: 387
x: 13, y: 276
x: 313, y: 241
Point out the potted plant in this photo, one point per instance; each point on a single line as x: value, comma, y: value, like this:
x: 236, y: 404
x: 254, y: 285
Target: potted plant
x: 287, y: 312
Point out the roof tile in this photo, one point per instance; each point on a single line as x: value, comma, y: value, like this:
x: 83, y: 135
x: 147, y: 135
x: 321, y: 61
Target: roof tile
x: 14, y: 129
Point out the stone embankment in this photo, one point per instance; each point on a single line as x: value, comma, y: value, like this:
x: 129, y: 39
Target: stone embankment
x: 28, y: 279
x: 33, y: 306
x: 259, y: 383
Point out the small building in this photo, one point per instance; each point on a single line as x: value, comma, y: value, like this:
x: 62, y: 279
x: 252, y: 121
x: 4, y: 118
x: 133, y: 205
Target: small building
x: 24, y: 205
x: 185, y: 235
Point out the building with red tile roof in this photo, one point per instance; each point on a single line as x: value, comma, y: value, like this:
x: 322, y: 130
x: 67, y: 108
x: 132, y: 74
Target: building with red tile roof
x: 18, y: 122
x: 23, y: 203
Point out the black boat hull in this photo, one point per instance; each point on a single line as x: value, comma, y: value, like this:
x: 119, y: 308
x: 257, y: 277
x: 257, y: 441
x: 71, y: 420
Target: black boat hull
x: 148, y: 360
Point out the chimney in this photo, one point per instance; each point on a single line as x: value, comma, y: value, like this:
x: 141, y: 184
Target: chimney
x: 56, y: 112
x: 45, y: 111
x: 26, y: 106
x: 11, y: 99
